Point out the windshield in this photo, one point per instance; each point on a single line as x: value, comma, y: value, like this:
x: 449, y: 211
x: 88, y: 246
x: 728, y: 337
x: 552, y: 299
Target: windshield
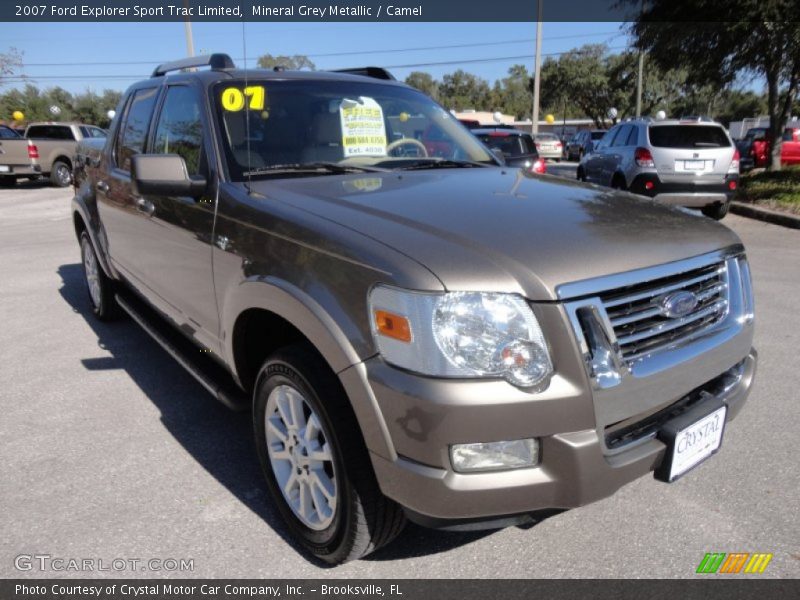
x: 271, y: 127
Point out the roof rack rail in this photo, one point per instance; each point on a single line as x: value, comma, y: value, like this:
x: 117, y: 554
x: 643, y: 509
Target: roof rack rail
x: 215, y: 61
x: 374, y: 72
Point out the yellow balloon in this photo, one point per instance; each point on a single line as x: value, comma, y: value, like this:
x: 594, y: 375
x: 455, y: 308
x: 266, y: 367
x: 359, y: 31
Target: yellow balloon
x: 550, y: 119
x: 404, y: 116
x: 18, y: 116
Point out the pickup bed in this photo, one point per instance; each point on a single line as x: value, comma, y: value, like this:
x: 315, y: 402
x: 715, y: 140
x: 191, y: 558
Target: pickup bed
x: 47, y: 150
x: 437, y: 338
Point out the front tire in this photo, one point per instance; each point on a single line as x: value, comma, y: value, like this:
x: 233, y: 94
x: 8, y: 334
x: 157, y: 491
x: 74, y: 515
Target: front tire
x: 716, y: 211
x: 99, y: 287
x: 315, y: 461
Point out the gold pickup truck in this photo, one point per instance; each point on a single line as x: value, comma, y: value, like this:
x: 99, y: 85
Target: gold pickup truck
x: 47, y: 150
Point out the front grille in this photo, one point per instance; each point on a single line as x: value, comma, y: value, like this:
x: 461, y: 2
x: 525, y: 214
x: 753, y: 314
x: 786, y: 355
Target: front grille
x: 637, y: 317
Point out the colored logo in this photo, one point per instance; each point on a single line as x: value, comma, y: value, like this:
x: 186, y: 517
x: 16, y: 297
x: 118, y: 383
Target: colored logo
x: 678, y: 304
x: 734, y: 562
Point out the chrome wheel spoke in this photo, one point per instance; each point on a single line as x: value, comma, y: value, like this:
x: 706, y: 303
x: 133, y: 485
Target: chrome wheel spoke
x: 301, y: 457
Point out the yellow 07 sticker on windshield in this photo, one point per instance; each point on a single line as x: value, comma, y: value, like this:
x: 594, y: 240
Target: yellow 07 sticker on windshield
x: 234, y: 99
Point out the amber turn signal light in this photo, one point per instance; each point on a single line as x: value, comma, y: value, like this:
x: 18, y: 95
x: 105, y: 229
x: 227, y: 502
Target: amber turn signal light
x: 393, y: 326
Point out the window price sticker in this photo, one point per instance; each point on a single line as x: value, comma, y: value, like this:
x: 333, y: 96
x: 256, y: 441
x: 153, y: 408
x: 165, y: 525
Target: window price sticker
x: 363, y: 129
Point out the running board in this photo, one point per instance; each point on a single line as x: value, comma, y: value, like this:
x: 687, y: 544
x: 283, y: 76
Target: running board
x: 205, y: 370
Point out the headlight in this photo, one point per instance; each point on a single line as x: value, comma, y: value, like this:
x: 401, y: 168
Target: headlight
x: 460, y: 334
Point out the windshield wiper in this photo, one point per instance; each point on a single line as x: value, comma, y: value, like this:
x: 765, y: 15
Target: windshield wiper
x: 442, y: 163
x: 320, y: 167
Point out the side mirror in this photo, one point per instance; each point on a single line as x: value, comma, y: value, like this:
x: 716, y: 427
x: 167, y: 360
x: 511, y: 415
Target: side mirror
x: 165, y: 175
x: 499, y: 155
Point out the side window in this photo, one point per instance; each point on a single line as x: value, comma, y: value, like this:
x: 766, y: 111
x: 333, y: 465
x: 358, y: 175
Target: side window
x: 621, y: 139
x: 134, y: 131
x: 180, y: 128
x: 97, y: 132
x: 608, y: 138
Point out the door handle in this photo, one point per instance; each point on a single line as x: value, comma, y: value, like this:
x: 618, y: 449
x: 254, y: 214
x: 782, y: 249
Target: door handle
x: 144, y: 205
x: 102, y: 187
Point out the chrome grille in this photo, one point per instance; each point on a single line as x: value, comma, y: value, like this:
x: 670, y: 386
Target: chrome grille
x: 638, y: 320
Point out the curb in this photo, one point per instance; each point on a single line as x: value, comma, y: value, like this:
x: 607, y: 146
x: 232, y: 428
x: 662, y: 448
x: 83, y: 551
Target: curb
x: 764, y: 214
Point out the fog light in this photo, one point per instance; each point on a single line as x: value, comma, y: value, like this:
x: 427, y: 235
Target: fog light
x: 494, y: 456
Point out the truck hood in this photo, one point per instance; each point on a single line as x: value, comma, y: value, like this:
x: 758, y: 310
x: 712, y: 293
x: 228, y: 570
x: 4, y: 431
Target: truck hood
x: 488, y: 229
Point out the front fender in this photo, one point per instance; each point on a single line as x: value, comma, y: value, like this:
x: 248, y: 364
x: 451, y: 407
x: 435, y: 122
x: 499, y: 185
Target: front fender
x: 326, y: 334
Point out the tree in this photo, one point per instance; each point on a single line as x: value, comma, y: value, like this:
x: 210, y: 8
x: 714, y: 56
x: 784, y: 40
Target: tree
x: 514, y: 94
x: 461, y: 90
x: 424, y: 82
x: 10, y: 62
x: 725, y: 40
x: 295, y: 62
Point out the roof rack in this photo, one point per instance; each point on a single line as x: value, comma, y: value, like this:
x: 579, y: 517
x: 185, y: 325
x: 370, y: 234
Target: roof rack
x: 215, y: 61
x: 374, y: 72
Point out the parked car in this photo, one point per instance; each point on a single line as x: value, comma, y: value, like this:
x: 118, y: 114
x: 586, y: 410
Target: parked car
x: 755, y: 149
x: 516, y: 146
x: 691, y: 163
x: 548, y: 146
x: 440, y: 339
x: 7, y: 133
x: 48, y: 150
x: 582, y: 143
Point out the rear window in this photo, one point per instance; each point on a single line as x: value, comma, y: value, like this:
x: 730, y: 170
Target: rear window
x: 50, y: 132
x: 546, y: 137
x: 510, y: 145
x: 688, y: 136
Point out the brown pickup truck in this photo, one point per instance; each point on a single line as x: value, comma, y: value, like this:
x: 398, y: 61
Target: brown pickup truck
x: 47, y: 150
x: 437, y: 338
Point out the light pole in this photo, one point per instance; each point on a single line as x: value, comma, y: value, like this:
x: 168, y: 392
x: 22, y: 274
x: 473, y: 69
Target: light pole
x: 187, y: 24
x: 537, y: 67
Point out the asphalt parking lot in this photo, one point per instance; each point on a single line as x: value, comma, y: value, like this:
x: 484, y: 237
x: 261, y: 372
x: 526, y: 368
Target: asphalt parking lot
x: 109, y: 450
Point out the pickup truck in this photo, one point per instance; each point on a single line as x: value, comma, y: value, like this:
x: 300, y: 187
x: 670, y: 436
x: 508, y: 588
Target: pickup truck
x: 755, y: 149
x: 436, y: 338
x: 47, y: 150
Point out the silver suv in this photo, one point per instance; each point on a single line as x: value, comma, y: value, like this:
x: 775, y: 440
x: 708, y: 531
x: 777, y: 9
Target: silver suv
x: 690, y: 162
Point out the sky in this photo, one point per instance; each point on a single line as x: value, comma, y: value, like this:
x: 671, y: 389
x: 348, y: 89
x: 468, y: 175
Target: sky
x: 56, y: 54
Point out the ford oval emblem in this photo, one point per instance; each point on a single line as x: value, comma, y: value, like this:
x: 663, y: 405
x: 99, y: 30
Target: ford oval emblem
x: 678, y: 304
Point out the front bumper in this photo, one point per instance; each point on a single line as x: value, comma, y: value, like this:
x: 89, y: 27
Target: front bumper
x: 691, y: 194
x: 576, y: 467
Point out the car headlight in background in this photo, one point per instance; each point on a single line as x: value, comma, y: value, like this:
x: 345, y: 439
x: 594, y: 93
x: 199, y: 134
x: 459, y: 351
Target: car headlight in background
x: 460, y: 334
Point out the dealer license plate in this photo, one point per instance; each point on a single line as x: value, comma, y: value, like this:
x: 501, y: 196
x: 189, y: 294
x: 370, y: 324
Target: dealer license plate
x: 694, y: 165
x: 697, y: 442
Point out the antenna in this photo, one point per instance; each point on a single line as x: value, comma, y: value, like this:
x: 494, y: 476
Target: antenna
x: 247, y: 114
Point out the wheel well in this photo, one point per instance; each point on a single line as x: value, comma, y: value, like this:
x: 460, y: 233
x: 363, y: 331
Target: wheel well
x: 257, y: 334
x: 619, y: 178
x: 78, y: 223
x: 63, y: 159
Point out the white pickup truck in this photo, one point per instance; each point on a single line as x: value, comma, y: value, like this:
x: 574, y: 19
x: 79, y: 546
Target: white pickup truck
x: 47, y: 150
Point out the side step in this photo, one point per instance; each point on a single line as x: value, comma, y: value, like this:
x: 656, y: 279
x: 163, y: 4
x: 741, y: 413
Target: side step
x: 212, y: 376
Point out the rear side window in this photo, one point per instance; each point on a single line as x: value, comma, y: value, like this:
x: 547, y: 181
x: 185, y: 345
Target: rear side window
x: 50, y: 132
x: 180, y: 128
x: 133, y: 132
x: 596, y: 135
x: 688, y: 136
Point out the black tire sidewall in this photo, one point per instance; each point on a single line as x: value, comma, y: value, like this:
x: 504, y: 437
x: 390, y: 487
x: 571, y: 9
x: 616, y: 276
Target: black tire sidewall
x: 86, y: 243
x: 54, y: 179
x: 280, y: 370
